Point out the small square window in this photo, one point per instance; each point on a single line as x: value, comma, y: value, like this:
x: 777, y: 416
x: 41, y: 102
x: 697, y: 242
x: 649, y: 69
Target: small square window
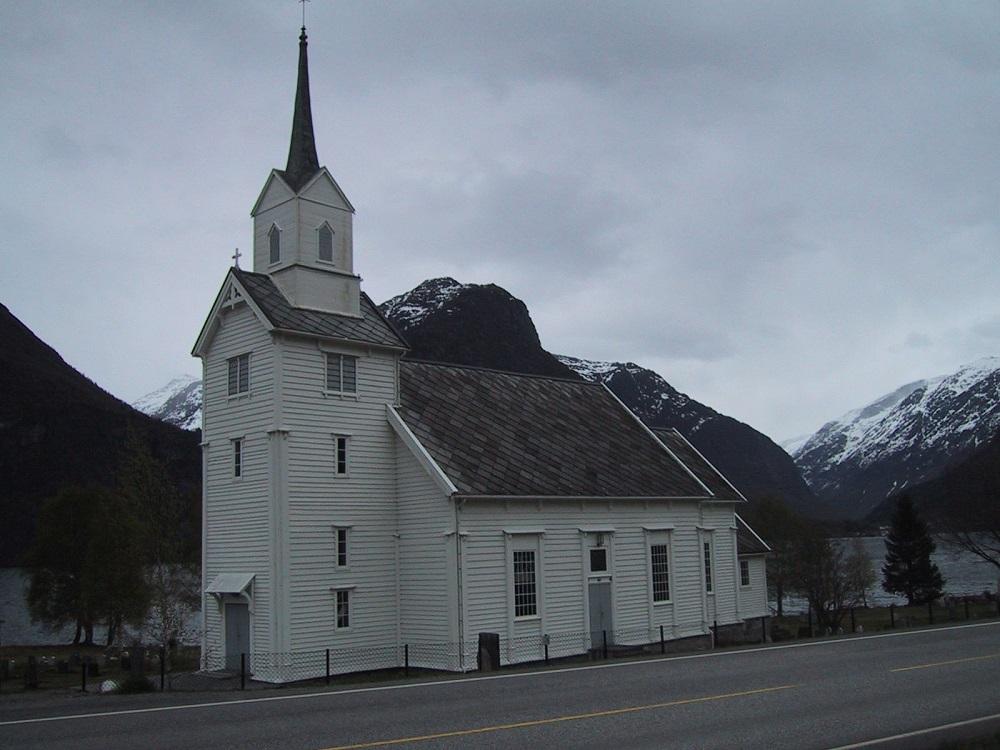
x: 341, y: 373
x: 239, y: 374
x: 599, y: 560
x: 744, y: 572
x: 343, y: 609
x: 238, y: 458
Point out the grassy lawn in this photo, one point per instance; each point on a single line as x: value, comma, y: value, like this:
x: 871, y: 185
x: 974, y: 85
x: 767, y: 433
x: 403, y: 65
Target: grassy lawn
x: 874, y: 619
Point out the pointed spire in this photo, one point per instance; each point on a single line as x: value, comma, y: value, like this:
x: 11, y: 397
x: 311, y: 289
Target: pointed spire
x: 303, y: 162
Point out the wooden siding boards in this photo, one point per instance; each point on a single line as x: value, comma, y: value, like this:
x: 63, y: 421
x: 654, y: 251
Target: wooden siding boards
x: 236, y: 511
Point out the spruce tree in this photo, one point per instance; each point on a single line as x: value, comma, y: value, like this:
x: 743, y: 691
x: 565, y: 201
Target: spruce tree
x: 908, y: 569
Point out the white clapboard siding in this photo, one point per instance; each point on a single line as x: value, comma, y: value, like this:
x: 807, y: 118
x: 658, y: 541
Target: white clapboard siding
x: 562, y: 580
x: 427, y: 595
x: 319, y: 500
x: 237, y: 515
x: 753, y: 598
x: 285, y: 215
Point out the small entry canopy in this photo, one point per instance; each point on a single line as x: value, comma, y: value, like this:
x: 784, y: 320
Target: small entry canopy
x: 230, y: 583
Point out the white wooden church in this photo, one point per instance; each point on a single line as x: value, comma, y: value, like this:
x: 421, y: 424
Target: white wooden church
x: 358, y: 501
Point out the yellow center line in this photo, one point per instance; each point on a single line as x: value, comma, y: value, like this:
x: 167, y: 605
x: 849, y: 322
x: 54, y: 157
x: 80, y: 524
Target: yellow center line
x: 557, y: 719
x: 945, y: 663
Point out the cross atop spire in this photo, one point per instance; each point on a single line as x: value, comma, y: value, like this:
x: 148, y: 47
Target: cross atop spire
x: 303, y: 162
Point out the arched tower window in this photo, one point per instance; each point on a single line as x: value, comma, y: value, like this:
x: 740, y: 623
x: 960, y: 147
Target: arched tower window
x: 274, y: 240
x: 325, y: 242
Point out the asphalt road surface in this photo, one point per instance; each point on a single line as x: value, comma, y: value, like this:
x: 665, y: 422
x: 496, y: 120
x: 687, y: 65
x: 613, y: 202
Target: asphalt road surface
x: 855, y: 691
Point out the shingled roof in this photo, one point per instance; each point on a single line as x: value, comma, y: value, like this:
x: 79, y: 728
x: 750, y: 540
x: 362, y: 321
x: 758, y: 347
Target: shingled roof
x: 708, y: 474
x: 370, y: 328
x: 747, y: 541
x: 499, y: 434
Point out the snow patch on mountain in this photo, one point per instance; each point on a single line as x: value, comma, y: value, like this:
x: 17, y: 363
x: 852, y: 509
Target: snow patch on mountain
x: 177, y: 403
x: 409, y: 308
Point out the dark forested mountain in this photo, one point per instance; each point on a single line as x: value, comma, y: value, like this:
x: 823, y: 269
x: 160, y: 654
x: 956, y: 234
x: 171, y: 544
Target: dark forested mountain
x: 59, y: 428
x: 485, y: 326
x: 902, y: 439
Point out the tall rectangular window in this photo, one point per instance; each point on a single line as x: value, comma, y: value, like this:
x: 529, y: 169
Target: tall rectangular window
x: 341, y: 373
x: 525, y: 587
x: 239, y: 374
x: 707, y: 551
x: 341, y: 547
x: 340, y: 451
x: 744, y: 572
x: 238, y: 457
x: 343, y: 609
x: 660, y: 563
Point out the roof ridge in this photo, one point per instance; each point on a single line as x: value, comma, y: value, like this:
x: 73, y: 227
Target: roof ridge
x: 497, y: 371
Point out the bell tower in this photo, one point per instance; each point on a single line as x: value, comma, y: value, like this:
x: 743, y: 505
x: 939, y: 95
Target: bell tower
x: 303, y: 221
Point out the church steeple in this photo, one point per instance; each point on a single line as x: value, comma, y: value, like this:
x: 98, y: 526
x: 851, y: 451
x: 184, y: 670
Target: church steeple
x: 303, y: 162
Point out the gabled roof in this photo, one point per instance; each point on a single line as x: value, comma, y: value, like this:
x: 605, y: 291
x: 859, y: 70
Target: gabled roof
x: 500, y: 434
x: 697, y: 463
x: 370, y: 328
x: 747, y: 541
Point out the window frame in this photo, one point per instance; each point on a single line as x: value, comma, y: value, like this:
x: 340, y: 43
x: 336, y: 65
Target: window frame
x: 339, y: 358
x: 274, y: 244
x: 342, y: 615
x: 664, y: 559
x: 341, y: 444
x: 238, y: 457
x: 708, y: 565
x: 530, y: 597
x: 319, y: 243
x: 745, y: 580
x: 341, y: 547
x: 242, y: 375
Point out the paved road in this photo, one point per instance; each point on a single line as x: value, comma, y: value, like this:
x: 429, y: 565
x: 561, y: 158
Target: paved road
x: 806, y: 695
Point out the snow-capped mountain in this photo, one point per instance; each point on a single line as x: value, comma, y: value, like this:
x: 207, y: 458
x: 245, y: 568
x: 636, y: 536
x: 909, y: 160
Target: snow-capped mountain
x: 409, y: 308
x: 177, y: 403
x: 902, y: 438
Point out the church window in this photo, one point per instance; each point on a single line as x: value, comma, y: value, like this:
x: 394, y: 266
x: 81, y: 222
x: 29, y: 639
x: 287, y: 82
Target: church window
x: 343, y: 609
x: 238, y: 458
x: 325, y: 243
x: 659, y: 555
x: 239, y: 374
x: 274, y: 243
x: 525, y: 584
x: 744, y: 572
x: 341, y: 373
x: 341, y: 535
x: 340, y: 454
x: 707, y: 552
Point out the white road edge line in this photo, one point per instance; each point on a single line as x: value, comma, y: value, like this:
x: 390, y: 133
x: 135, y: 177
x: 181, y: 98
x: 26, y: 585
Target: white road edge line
x: 510, y: 676
x: 917, y: 733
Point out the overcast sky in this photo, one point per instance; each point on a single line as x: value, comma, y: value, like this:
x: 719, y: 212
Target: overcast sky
x: 786, y: 209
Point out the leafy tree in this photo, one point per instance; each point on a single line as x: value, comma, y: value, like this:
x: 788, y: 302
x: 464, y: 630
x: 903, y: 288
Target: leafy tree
x: 82, y: 564
x: 168, y: 562
x: 908, y: 569
x: 822, y: 574
x: 860, y: 571
x: 781, y: 528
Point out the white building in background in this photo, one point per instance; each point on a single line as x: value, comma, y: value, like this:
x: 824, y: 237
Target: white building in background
x: 358, y: 501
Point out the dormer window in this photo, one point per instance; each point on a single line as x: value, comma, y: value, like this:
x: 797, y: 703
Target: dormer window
x: 325, y: 234
x: 274, y: 241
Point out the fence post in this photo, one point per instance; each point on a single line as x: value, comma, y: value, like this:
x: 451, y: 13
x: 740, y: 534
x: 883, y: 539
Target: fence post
x: 243, y: 671
x: 930, y: 611
x: 604, y: 634
x: 406, y: 659
x: 83, y: 674
x: 545, y: 642
x: 998, y: 602
x: 854, y: 628
x: 663, y: 642
x: 327, y: 667
x: 715, y: 632
x: 809, y: 614
x: 163, y: 668
x: 763, y: 630
x: 892, y: 616
x: 966, y: 600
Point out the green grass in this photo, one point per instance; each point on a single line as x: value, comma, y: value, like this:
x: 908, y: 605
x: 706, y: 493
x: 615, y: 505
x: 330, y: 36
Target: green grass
x: 875, y: 619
